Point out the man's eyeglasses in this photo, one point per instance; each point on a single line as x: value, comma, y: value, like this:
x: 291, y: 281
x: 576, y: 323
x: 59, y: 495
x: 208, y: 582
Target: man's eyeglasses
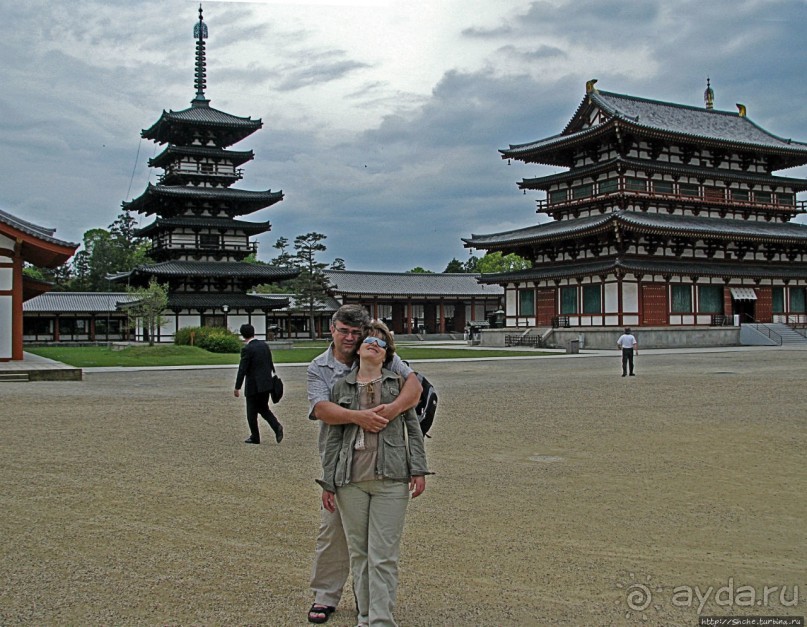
x: 371, y: 339
x: 350, y: 332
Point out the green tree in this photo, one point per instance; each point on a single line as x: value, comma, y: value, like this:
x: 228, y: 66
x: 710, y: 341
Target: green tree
x: 108, y: 252
x: 60, y: 276
x: 472, y: 265
x: 311, y: 286
x: 419, y: 270
x: 456, y: 266
x: 151, y: 302
x: 284, y: 258
x: 338, y: 264
x: 493, y: 263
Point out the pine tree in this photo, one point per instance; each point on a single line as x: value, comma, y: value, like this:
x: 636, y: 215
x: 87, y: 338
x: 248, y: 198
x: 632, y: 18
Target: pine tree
x: 311, y: 286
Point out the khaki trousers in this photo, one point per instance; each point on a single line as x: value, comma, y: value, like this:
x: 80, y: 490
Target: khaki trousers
x: 331, y: 560
x: 373, y: 515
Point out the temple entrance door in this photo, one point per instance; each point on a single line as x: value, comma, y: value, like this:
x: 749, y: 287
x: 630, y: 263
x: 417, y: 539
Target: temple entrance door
x: 654, y: 305
x: 546, y: 307
x: 745, y: 309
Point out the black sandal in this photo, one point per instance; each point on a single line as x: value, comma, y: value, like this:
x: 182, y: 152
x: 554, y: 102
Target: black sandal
x: 318, y: 608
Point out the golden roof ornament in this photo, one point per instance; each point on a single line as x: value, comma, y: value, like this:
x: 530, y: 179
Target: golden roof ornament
x: 709, y: 95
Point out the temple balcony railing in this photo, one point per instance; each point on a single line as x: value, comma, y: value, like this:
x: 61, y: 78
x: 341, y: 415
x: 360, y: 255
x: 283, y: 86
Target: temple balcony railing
x: 545, y: 206
x: 190, y: 175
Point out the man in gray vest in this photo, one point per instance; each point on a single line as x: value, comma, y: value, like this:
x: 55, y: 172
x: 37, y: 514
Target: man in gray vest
x: 331, y: 558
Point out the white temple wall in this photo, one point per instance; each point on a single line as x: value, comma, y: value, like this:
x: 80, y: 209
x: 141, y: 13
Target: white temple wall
x: 611, y: 298
x: 6, y: 307
x: 630, y: 298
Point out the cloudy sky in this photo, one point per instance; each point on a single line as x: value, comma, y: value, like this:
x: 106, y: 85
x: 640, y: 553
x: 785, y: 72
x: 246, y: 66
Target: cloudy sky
x: 382, y: 119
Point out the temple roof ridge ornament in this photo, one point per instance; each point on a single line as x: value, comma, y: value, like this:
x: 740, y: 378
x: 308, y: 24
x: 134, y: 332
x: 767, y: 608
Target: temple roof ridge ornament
x: 709, y: 95
x: 200, y: 76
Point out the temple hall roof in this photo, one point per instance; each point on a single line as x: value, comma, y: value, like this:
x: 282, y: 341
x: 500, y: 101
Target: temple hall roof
x: 77, y: 302
x: 450, y: 285
x: 626, y: 163
x: 688, y: 267
x: 656, y: 118
x: 39, y: 246
x: 654, y: 223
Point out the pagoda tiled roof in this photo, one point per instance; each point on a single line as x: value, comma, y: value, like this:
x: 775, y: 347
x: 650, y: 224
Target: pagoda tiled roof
x: 213, y: 269
x: 200, y: 114
x: 723, y: 174
x: 237, y: 157
x: 452, y: 285
x: 178, y: 300
x: 651, y: 223
x: 77, y: 302
x: 328, y: 305
x: 689, y: 267
x: 251, y: 228
x: 654, y: 118
x: 239, y: 201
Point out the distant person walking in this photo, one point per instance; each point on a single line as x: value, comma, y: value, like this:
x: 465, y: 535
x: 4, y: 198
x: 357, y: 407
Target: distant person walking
x: 630, y: 347
x: 256, y: 369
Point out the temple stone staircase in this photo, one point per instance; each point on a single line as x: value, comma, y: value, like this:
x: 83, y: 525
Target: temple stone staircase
x: 790, y: 337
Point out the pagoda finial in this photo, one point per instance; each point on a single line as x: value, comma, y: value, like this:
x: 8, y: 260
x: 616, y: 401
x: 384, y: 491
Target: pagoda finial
x: 200, y: 33
x: 709, y: 95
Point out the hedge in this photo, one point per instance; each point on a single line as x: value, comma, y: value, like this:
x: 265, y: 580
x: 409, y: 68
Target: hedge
x: 213, y: 339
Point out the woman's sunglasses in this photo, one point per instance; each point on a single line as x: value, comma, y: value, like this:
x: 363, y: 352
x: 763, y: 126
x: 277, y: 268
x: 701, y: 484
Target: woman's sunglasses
x: 371, y: 339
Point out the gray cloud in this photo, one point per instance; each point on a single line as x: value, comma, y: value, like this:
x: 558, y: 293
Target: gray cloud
x: 82, y: 79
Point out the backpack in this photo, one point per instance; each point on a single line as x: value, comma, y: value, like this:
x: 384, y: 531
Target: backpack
x: 427, y: 405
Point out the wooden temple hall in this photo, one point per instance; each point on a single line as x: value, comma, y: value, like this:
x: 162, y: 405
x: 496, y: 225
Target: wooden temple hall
x: 664, y: 215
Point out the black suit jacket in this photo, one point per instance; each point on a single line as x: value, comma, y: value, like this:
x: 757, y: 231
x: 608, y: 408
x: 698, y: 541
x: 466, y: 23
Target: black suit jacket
x: 255, y: 368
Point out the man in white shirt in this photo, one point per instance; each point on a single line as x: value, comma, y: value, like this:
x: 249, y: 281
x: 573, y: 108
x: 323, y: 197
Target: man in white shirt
x: 630, y: 347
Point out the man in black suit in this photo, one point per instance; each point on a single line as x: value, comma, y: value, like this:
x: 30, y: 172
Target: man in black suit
x: 256, y: 368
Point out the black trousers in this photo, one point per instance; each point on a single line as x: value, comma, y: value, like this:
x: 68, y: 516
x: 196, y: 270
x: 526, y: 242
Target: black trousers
x: 627, y: 360
x: 259, y: 404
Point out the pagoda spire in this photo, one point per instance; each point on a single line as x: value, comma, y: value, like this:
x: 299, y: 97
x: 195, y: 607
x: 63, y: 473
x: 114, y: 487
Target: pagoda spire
x: 199, y: 82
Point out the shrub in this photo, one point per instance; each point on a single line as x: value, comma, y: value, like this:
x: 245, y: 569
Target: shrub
x: 213, y: 339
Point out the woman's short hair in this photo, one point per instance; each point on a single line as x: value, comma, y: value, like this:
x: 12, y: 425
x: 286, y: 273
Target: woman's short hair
x: 379, y: 329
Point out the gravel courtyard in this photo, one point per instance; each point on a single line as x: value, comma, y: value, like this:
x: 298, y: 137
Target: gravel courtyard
x: 564, y: 495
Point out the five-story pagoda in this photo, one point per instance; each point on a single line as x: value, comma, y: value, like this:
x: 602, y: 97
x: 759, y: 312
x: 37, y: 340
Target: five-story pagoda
x: 197, y: 242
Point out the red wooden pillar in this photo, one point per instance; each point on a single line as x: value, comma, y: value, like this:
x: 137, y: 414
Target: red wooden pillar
x: 16, y: 303
x: 442, y: 326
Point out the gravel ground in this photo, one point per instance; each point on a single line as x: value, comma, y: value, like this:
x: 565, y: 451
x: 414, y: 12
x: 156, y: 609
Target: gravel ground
x: 564, y: 495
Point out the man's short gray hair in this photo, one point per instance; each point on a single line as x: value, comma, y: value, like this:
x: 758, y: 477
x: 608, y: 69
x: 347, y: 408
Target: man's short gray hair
x: 351, y: 315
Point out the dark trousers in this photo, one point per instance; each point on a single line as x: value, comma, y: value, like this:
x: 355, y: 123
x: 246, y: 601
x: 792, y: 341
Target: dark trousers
x: 259, y: 404
x: 627, y: 360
